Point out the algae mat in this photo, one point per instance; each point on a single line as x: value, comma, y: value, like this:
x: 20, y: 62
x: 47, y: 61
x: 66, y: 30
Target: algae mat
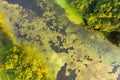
x: 70, y: 51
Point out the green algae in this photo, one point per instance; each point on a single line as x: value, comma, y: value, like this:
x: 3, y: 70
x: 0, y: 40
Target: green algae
x: 86, y: 44
x: 72, y: 13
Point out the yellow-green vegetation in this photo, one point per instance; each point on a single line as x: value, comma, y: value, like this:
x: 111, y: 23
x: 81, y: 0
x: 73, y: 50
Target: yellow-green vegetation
x: 18, y: 61
x: 23, y: 63
x: 5, y: 37
x: 4, y: 28
x: 97, y: 15
x: 72, y: 13
x: 33, y: 30
x: 100, y: 15
x: 87, y: 54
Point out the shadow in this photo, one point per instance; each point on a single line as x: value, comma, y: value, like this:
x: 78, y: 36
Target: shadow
x: 29, y: 5
x: 114, y: 37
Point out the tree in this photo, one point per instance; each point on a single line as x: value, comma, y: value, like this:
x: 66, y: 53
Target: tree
x: 102, y: 15
x: 23, y: 63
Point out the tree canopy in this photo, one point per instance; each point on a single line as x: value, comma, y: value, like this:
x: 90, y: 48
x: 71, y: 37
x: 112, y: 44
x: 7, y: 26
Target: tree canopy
x: 102, y: 15
x: 23, y: 63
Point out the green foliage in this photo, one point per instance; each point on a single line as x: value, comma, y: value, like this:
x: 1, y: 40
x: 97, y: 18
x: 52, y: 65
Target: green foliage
x: 31, y: 29
x: 4, y: 40
x: 102, y: 15
x: 22, y: 60
x: 82, y: 4
x: 23, y: 63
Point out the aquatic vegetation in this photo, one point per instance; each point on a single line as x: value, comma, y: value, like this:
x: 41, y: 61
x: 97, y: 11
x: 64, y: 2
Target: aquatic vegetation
x: 66, y: 50
x: 71, y: 12
x: 33, y: 30
x: 20, y: 61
